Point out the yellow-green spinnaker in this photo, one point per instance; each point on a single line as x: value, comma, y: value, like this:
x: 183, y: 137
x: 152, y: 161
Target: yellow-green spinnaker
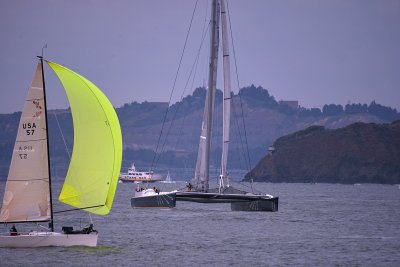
x: 93, y: 172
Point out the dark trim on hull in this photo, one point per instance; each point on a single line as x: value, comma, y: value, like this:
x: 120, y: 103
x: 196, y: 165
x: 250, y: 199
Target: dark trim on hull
x: 156, y: 201
x: 201, y: 197
x: 257, y: 205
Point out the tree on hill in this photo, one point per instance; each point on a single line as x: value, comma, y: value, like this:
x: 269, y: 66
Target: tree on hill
x: 258, y: 95
x: 383, y: 112
x: 356, y: 108
x: 332, y: 110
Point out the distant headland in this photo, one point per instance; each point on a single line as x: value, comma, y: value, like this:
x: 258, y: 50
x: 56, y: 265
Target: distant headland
x: 358, y: 153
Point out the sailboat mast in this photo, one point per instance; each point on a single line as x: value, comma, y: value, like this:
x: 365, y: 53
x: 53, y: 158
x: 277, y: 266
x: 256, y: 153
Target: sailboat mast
x: 203, y: 158
x: 212, y: 82
x: 48, y: 147
x: 224, y: 181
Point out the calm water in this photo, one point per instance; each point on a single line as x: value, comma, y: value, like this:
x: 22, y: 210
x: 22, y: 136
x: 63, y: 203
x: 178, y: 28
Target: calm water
x: 317, y: 225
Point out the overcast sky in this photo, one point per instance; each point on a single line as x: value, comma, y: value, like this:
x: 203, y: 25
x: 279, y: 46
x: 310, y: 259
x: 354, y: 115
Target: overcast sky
x: 313, y: 51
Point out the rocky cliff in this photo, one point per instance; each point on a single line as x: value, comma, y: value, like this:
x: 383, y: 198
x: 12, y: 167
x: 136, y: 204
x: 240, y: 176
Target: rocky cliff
x: 358, y: 153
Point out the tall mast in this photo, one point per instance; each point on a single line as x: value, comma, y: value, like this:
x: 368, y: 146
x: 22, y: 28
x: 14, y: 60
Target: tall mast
x: 48, y: 147
x: 224, y: 181
x: 203, y: 157
x: 212, y: 81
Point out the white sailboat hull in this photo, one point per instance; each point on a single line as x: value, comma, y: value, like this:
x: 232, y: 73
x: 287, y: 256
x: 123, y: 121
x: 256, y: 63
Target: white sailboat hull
x: 148, y: 198
x: 48, y: 239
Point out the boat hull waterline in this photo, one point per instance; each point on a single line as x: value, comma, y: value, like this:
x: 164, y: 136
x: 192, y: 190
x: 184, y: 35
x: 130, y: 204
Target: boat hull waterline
x: 46, y: 239
x: 127, y: 179
x: 270, y: 204
x: 239, y: 202
x: 151, y: 199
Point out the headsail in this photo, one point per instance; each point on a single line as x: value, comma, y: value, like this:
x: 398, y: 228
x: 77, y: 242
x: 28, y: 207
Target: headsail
x: 27, y: 193
x: 96, y: 158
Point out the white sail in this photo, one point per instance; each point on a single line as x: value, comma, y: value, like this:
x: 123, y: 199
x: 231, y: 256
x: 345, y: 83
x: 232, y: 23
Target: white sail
x: 27, y: 192
x: 224, y: 182
x: 168, y: 178
x: 200, y: 182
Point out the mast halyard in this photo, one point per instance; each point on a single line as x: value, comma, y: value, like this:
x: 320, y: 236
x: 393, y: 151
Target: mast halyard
x: 203, y: 158
x: 51, y: 224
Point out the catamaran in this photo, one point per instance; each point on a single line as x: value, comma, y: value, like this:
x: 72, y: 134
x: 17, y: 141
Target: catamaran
x: 198, y: 189
x: 92, y: 176
x: 199, y: 185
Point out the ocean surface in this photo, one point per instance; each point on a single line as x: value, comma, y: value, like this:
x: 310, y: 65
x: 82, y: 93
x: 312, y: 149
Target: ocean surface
x: 316, y: 225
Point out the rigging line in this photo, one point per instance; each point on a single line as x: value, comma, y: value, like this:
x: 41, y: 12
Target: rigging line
x: 84, y: 208
x: 178, y: 106
x: 196, y: 63
x: 239, y: 133
x: 194, y: 67
x: 237, y: 79
x: 250, y: 187
x: 90, y: 217
x: 62, y: 135
x: 173, y: 87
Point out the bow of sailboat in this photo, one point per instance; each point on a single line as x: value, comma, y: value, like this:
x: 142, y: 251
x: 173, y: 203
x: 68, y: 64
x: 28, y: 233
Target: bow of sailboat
x: 92, y: 176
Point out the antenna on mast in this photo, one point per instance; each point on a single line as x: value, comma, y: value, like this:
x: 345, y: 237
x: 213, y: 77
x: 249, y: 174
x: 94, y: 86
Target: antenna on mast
x: 45, y: 46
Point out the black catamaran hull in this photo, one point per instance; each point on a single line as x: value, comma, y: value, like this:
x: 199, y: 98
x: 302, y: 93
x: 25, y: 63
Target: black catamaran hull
x: 239, y: 202
x: 270, y: 204
x: 155, y: 201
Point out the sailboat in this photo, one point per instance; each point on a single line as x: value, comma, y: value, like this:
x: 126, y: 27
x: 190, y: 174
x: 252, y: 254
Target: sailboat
x: 153, y: 198
x: 198, y: 189
x: 168, y: 179
x: 92, y: 176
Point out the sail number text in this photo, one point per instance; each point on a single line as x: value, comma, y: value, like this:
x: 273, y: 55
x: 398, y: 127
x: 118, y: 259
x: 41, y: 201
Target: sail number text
x: 24, y: 149
x: 29, y: 127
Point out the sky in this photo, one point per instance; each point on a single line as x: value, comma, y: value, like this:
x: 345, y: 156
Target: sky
x: 314, y: 51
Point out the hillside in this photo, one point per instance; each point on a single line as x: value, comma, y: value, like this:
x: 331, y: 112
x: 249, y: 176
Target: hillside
x: 358, y: 153
x: 265, y: 120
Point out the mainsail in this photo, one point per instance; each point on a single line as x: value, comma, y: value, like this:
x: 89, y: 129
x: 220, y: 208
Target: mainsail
x: 96, y: 159
x: 27, y: 193
x: 200, y: 181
